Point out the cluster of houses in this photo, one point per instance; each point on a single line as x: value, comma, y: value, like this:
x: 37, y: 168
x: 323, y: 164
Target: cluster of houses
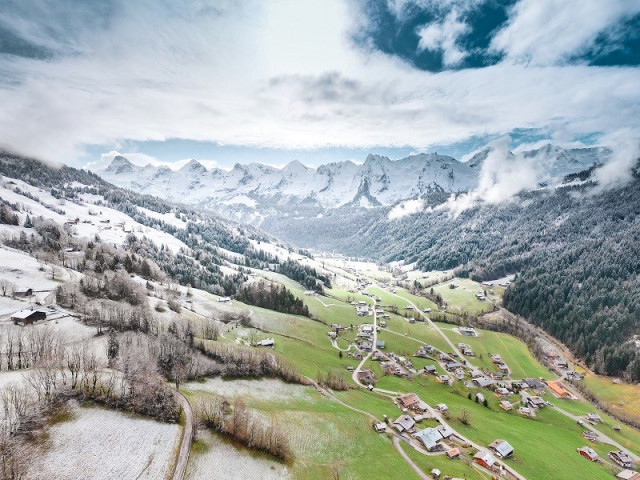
x: 465, y: 350
x: 500, y: 364
x: 393, y: 364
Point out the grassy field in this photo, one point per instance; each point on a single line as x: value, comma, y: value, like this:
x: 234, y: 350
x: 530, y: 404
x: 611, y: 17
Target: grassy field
x: 324, y: 433
x: 463, y: 298
x: 513, y: 351
x: 623, y: 399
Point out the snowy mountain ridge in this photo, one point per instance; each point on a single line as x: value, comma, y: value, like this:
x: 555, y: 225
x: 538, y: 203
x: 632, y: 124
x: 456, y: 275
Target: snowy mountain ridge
x: 379, y: 181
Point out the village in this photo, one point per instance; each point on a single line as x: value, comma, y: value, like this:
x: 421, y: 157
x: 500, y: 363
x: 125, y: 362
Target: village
x: 381, y: 343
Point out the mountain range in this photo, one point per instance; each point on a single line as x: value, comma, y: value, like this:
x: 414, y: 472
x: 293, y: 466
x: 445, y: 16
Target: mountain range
x: 257, y: 189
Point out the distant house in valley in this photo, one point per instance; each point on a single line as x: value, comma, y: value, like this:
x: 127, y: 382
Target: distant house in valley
x: 534, y: 383
x: 267, y: 342
x: 558, y: 389
x: 502, y: 448
x: 430, y: 369
x: 404, y: 423
x: 430, y: 437
x: 628, y: 475
x: 28, y: 316
x: 23, y: 292
x: 380, y: 344
x: 621, y: 458
x: 468, y: 331
x: 453, y: 453
x: 409, y: 400
x: 380, y: 427
x: 484, y: 459
x: 506, y: 405
x: 536, y: 402
x: 589, y: 453
x: 483, y: 382
x: 593, y: 418
x: 366, y: 376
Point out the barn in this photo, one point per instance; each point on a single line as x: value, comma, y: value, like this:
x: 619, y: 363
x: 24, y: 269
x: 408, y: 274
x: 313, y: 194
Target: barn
x: 28, y: 316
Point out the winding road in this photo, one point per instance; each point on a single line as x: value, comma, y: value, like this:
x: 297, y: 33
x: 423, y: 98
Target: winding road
x: 187, y: 437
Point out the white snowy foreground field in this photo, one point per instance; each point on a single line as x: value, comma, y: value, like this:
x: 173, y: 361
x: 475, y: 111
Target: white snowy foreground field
x: 99, y: 444
x: 221, y: 459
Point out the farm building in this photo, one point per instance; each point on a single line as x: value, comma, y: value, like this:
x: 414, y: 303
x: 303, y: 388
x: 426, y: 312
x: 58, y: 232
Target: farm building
x: 484, y: 459
x: 534, y: 383
x: 588, y: 453
x: 502, y: 448
x: 621, y: 458
x: 453, y: 453
x: 23, y: 292
x: 628, y: 475
x: 445, y: 431
x: 28, y: 316
x: 468, y: 331
x: 429, y: 437
x: 380, y: 344
x: 558, y: 389
x: 267, y: 342
x: 409, y: 400
x: 404, y: 423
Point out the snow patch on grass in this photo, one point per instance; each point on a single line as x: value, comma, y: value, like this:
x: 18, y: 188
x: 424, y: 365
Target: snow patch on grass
x: 265, y: 389
x: 221, y: 459
x: 101, y: 444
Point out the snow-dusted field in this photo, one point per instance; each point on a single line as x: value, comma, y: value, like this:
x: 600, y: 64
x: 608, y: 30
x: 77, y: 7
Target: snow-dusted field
x: 101, y: 444
x: 265, y: 389
x: 223, y: 460
x: 24, y: 271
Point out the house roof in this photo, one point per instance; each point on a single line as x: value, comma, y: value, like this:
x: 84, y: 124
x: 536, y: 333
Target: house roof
x: 454, y: 452
x: 504, y: 449
x: 483, y: 381
x: 534, y: 383
x: 445, y: 431
x: 628, y: 475
x: 589, y: 451
x: 405, y: 422
x: 486, y: 457
x: 429, y: 436
x: 409, y: 399
x: 26, y: 313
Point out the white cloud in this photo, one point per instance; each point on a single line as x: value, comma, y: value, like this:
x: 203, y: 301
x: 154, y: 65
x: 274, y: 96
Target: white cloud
x: 408, y: 207
x: 502, y: 176
x: 546, y: 32
x: 444, y: 35
x: 275, y: 74
x: 626, y: 152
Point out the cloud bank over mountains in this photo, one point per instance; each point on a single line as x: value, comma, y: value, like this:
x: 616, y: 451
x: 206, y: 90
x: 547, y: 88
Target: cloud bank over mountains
x: 311, y: 75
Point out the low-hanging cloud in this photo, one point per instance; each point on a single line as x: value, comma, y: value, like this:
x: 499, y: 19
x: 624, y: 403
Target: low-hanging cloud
x: 624, y: 157
x: 408, y: 207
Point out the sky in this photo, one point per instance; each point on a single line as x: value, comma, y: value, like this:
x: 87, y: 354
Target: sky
x: 230, y: 81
